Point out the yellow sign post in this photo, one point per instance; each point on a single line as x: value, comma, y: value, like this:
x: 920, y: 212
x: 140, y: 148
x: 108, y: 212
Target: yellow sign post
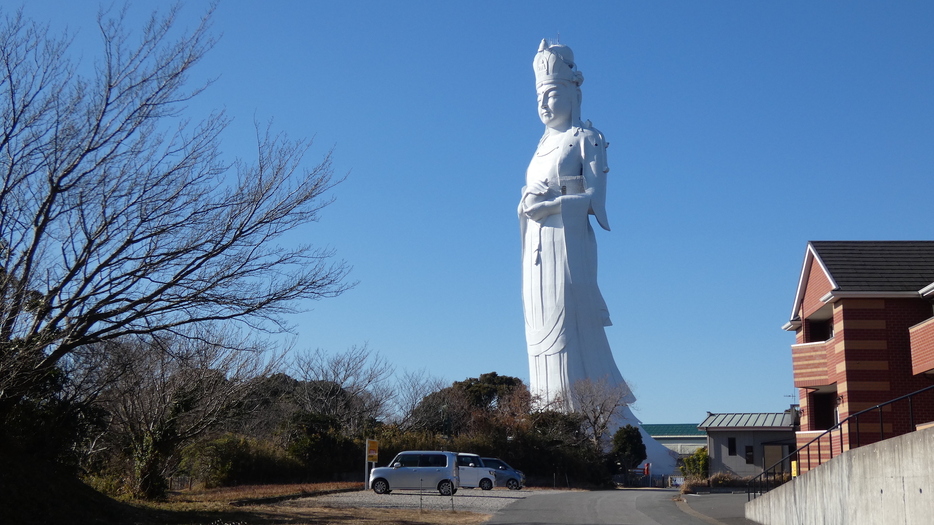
x: 372, y: 456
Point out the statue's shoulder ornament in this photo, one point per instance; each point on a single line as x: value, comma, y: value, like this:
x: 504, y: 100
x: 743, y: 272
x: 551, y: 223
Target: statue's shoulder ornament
x: 593, y: 152
x: 593, y: 146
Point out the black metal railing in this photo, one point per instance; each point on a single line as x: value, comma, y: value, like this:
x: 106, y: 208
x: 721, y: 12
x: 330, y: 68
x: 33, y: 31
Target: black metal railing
x: 777, y: 474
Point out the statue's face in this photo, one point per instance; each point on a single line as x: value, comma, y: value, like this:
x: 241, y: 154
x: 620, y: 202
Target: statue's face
x: 555, y: 102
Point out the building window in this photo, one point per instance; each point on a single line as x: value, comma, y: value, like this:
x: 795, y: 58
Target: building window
x: 731, y: 446
x: 822, y: 409
x: 750, y: 457
x: 821, y: 330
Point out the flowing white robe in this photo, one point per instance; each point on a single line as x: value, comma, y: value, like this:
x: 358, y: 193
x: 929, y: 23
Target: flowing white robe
x: 565, y: 313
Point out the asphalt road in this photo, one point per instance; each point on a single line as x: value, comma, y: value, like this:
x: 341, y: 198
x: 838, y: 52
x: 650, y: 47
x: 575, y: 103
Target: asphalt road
x: 607, y: 507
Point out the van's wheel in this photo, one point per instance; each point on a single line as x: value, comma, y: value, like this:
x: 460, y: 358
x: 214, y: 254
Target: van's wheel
x: 381, y: 486
x: 446, y: 488
x: 486, y: 484
x: 513, y: 484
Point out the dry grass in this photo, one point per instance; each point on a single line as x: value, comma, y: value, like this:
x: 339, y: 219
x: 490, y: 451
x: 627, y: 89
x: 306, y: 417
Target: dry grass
x: 248, y: 492
x: 215, y: 507
x: 365, y: 516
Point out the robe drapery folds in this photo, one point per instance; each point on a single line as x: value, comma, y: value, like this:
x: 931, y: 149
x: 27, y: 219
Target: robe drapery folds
x: 565, y: 313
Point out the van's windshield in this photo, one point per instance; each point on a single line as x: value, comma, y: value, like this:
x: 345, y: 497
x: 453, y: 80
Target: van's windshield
x: 407, y: 460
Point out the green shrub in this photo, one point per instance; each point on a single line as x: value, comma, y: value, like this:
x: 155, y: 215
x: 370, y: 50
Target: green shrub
x: 111, y: 485
x: 316, y: 441
x: 696, y: 465
x: 238, y: 460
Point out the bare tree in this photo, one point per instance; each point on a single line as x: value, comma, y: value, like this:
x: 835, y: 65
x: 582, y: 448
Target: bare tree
x: 351, y: 386
x: 411, y: 388
x: 598, y: 403
x: 119, y: 218
x: 163, y: 392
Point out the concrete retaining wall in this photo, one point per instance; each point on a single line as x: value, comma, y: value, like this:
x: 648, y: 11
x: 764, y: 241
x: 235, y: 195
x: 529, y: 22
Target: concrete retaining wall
x: 890, y: 482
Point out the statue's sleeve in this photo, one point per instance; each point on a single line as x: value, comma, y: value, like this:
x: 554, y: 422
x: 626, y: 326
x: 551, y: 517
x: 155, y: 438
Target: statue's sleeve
x: 595, y: 169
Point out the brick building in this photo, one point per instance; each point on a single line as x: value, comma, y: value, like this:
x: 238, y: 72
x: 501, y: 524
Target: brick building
x: 864, y: 326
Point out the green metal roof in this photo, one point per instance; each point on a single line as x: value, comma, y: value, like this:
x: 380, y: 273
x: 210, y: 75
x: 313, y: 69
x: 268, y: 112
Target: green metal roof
x: 749, y: 420
x: 673, y: 429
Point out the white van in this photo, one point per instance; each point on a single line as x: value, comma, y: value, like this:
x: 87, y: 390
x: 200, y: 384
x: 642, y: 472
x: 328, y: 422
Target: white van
x: 473, y: 473
x: 418, y: 470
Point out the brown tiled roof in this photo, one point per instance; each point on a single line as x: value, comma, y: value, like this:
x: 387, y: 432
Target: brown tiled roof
x: 878, y: 266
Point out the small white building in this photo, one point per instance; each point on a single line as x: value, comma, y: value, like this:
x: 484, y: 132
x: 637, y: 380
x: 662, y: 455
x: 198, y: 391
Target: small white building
x: 744, y: 444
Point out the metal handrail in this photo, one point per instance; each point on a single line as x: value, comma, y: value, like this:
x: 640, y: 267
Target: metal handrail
x: 766, y: 481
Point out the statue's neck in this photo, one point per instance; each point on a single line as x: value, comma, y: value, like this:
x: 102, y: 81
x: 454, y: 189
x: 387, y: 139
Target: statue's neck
x: 564, y: 128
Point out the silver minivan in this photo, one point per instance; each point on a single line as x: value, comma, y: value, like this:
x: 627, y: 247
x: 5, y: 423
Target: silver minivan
x: 506, y: 476
x: 418, y: 470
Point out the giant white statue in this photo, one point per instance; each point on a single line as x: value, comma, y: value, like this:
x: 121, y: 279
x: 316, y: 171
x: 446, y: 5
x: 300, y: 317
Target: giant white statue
x: 565, y: 314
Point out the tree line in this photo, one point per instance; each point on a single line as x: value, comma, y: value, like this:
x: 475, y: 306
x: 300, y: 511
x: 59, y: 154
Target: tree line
x: 158, y: 409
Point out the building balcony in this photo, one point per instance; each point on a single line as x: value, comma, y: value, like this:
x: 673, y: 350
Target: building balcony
x: 922, y: 347
x: 809, y: 362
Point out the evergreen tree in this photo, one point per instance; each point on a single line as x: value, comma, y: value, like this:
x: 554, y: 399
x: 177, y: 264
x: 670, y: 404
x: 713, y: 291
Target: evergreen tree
x: 628, y: 449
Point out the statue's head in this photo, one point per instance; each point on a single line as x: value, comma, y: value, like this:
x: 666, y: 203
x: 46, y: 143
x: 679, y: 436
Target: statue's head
x: 555, y: 62
x: 557, y: 82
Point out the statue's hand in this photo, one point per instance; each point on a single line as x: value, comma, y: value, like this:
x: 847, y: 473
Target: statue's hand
x: 537, y: 187
x: 540, y: 211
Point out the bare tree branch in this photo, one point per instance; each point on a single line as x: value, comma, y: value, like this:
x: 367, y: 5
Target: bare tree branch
x: 411, y: 388
x: 597, y: 402
x: 119, y: 218
x: 351, y: 386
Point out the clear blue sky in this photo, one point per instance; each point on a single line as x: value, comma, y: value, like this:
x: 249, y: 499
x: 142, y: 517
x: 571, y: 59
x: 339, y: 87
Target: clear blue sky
x: 739, y: 131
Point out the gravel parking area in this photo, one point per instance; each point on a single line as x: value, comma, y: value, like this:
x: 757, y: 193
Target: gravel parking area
x: 470, y: 500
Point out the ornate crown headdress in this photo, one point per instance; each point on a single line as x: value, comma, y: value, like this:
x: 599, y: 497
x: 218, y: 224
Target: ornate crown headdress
x: 555, y: 62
